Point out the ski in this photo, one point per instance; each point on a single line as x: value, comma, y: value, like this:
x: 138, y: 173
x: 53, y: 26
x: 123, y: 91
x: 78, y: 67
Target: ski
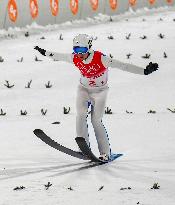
x: 41, y: 135
x: 87, y: 152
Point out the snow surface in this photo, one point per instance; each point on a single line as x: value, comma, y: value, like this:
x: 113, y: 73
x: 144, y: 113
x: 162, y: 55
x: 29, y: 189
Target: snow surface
x: 147, y: 140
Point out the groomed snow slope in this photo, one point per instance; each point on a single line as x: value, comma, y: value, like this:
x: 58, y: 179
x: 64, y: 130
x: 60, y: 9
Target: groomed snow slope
x: 147, y: 140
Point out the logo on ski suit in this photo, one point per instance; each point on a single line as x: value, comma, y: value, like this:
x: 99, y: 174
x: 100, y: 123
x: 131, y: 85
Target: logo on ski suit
x: 94, y: 68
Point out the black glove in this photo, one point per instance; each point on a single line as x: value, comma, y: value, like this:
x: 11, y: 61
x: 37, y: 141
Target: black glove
x: 151, y: 68
x: 42, y: 51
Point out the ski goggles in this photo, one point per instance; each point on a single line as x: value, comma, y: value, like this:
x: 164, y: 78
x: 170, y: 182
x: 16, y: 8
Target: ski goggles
x: 80, y: 50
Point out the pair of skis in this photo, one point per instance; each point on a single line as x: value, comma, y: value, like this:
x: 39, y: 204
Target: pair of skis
x: 85, y: 154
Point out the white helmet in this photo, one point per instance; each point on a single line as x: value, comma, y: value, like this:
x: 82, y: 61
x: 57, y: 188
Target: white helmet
x: 82, y: 40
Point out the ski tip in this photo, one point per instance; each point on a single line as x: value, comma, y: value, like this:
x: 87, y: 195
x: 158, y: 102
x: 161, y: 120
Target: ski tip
x: 37, y: 131
x: 79, y: 139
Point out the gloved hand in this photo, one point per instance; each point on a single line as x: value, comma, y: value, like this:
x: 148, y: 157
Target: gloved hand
x: 42, y: 51
x: 151, y: 68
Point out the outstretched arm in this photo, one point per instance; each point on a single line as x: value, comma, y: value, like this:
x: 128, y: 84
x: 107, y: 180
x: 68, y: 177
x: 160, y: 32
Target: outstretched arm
x: 54, y: 55
x: 127, y: 67
x: 113, y: 63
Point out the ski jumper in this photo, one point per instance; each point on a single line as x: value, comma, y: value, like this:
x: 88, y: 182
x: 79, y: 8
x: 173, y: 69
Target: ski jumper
x: 93, y: 87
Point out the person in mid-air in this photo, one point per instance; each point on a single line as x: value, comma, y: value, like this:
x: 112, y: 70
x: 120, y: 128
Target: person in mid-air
x: 93, y: 86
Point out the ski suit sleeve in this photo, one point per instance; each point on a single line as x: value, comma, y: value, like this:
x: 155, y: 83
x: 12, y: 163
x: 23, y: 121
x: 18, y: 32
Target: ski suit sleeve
x: 60, y: 56
x: 113, y: 63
